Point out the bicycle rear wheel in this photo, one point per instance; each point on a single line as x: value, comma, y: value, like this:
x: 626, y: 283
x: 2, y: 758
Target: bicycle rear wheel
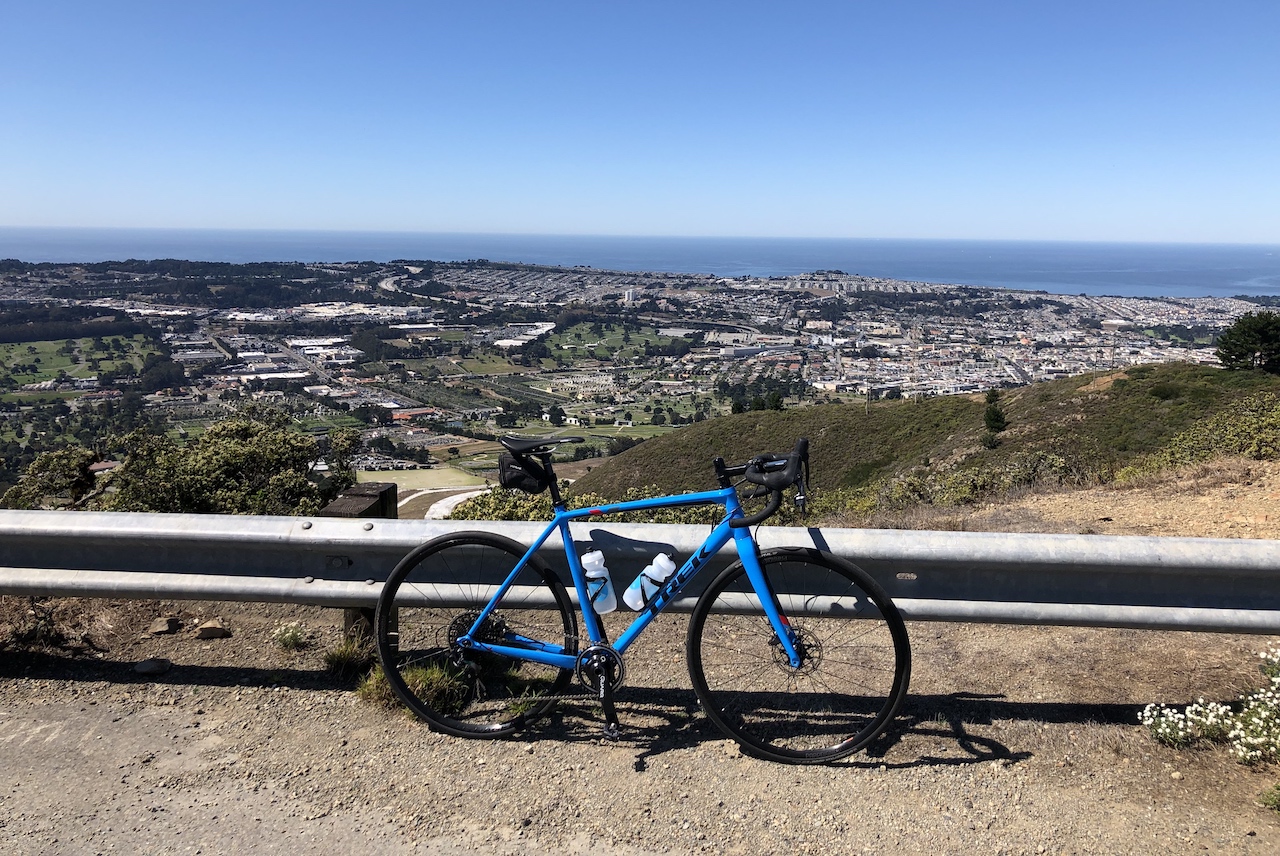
x: 854, y: 645
x: 434, y: 596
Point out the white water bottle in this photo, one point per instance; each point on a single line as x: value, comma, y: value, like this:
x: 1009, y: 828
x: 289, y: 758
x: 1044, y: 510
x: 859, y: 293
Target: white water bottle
x: 599, y: 586
x: 646, y: 585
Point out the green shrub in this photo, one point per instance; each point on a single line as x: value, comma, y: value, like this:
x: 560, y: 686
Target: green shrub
x: 501, y: 504
x: 964, y: 485
x: 1249, y: 427
x: 349, y: 658
x: 1166, y: 391
x: 440, y: 689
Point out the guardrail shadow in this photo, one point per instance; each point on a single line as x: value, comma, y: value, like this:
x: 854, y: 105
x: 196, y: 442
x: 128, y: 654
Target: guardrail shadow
x: 654, y: 720
x: 45, y: 666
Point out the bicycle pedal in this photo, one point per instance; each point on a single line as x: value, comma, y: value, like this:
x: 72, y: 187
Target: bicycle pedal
x: 611, y: 732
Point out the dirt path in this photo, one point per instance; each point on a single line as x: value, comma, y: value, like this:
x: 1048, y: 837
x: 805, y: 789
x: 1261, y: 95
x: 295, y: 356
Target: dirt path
x: 1014, y: 740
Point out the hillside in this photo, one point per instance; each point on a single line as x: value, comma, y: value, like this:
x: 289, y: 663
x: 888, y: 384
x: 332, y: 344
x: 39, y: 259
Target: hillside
x: 1226, y: 498
x: 1095, y: 423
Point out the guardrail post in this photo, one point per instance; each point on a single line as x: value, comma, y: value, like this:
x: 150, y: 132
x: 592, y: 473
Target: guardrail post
x: 370, y: 499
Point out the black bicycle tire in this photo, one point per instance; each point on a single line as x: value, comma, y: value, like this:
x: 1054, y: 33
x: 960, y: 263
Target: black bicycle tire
x: 741, y: 714
x: 397, y: 624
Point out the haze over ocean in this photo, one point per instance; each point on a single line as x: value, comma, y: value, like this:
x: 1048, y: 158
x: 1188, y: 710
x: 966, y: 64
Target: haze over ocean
x: 1132, y: 270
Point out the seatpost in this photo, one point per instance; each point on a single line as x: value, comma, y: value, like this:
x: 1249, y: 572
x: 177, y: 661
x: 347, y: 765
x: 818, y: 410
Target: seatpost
x: 551, y: 477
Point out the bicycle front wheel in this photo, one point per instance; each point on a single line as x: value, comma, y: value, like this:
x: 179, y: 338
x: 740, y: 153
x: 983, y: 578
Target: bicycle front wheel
x: 855, y: 658
x: 434, y: 596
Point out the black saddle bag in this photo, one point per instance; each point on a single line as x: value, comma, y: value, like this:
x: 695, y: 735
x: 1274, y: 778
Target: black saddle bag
x: 516, y: 474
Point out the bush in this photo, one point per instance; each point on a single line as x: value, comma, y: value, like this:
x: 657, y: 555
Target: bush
x: 250, y: 463
x: 501, y: 504
x: 349, y: 658
x: 1249, y: 427
x: 965, y: 485
x: 443, y: 690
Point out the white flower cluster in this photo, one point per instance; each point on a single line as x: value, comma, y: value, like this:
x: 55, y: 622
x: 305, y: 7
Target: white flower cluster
x: 1200, y: 721
x: 1167, y: 725
x: 290, y: 636
x: 1271, y: 661
x: 1253, y: 730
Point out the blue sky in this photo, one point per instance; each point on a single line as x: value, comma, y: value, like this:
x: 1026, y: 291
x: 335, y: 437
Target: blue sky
x: 1077, y: 121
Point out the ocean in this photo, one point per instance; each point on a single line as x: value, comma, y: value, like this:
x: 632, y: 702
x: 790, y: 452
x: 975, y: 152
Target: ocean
x: 1059, y: 267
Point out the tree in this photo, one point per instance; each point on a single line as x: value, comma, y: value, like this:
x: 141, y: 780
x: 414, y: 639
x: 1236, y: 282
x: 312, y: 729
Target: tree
x: 250, y: 463
x: 1252, y: 342
x: 59, y: 478
x: 993, y: 418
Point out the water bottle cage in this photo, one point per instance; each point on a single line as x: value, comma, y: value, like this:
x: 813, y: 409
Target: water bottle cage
x: 650, y: 586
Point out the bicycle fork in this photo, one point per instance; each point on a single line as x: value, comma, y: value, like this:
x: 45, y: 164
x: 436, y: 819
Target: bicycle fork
x: 749, y: 555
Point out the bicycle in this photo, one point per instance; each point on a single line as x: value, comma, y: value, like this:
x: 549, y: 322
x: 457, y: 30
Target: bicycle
x: 794, y: 653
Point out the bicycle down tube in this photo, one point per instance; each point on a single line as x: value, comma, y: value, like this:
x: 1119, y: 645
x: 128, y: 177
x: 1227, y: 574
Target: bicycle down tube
x: 552, y: 655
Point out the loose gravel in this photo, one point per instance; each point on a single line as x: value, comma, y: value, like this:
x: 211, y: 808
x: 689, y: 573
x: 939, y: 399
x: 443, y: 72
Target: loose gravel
x: 1014, y: 740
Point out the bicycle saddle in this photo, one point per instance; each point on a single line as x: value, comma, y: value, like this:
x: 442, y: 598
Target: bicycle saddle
x: 525, y: 445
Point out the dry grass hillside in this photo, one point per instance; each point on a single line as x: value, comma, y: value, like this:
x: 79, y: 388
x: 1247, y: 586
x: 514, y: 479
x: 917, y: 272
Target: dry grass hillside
x: 1229, y: 498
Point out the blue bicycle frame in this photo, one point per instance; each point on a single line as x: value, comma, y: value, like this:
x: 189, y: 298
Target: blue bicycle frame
x: 554, y: 655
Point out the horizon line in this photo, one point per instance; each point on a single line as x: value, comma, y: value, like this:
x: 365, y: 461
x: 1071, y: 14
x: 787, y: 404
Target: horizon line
x: 625, y: 236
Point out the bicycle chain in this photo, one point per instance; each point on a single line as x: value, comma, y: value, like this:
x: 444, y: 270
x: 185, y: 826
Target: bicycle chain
x: 575, y: 688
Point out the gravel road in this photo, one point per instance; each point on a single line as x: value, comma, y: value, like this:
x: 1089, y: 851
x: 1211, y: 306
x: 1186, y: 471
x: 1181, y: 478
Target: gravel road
x: 1014, y: 740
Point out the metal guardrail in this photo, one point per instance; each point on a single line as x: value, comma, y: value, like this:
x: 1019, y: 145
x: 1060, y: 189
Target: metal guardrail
x: 1225, y: 585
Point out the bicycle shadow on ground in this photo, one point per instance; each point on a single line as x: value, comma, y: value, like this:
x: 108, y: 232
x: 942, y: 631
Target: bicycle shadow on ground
x: 654, y: 721
x: 949, y: 718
